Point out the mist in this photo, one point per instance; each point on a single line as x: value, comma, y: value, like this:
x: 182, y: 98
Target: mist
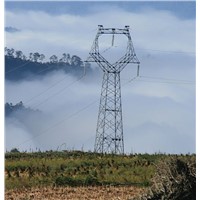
x: 58, y: 120
x: 158, y: 106
x: 158, y: 116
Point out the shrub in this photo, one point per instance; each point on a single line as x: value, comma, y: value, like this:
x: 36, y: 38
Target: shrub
x: 175, y: 179
x: 67, y: 181
x: 14, y: 150
x: 91, y: 180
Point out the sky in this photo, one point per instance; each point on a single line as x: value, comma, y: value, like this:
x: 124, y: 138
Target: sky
x: 158, y: 108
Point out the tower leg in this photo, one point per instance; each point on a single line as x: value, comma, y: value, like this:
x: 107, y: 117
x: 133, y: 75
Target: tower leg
x: 109, y: 132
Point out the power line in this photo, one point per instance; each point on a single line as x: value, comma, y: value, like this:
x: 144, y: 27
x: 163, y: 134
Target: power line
x: 161, y: 80
x: 158, y: 50
x: 107, y: 49
x: 86, y: 107
x: 166, y: 51
x: 47, y: 89
x: 53, y: 85
x: 136, y: 78
x: 140, y: 49
x: 18, y: 67
x: 59, y: 122
x: 50, y: 87
x: 84, y: 73
x: 48, y: 67
x: 69, y: 117
x: 167, y: 82
x: 58, y: 92
x: 168, y: 79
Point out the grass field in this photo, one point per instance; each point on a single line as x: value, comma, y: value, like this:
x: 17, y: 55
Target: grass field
x: 69, y: 174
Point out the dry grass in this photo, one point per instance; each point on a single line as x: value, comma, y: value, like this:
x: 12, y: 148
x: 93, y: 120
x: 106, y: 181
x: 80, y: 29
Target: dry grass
x: 74, y: 193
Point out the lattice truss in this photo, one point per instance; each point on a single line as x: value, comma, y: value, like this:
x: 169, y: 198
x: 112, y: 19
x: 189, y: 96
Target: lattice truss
x: 109, y: 131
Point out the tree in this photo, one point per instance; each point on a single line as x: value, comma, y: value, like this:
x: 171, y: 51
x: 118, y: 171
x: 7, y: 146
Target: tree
x: 18, y: 54
x: 31, y: 56
x: 68, y: 58
x: 36, y: 56
x: 8, y: 108
x: 76, y: 61
x: 5, y: 49
x: 65, y: 58
x: 53, y: 59
x: 42, y: 57
x: 10, y: 52
x: 24, y: 57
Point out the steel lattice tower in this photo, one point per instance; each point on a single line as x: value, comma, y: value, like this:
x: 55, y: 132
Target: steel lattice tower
x: 109, y: 131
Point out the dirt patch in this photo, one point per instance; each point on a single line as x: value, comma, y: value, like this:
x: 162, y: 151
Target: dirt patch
x: 74, y: 193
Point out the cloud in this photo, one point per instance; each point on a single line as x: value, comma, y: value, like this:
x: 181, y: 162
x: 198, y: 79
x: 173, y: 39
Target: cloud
x: 153, y: 137
x: 159, y: 114
x: 17, y: 132
x: 70, y: 116
x: 60, y: 120
x: 151, y: 29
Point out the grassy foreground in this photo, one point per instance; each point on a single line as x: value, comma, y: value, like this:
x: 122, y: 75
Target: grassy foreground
x: 76, y: 168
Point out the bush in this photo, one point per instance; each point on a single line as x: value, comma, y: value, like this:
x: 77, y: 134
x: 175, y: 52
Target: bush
x: 14, y: 150
x: 175, y: 179
x: 67, y: 181
x: 91, y: 180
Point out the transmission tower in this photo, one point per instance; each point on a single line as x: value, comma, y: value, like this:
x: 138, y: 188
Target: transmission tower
x: 109, y: 131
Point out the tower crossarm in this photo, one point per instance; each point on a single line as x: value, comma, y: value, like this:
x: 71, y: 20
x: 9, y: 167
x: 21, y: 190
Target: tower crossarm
x: 102, y: 30
x: 129, y: 57
x: 126, y: 59
x: 102, y: 62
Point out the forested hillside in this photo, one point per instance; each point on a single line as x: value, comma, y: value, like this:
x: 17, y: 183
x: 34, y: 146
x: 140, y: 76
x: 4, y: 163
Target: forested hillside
x: 18, y: 66
x: 11, y: 109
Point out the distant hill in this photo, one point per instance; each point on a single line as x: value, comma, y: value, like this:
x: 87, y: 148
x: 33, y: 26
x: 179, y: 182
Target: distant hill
x: 18, y: 66
x: 11, y: 29
x: 14, y: 110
